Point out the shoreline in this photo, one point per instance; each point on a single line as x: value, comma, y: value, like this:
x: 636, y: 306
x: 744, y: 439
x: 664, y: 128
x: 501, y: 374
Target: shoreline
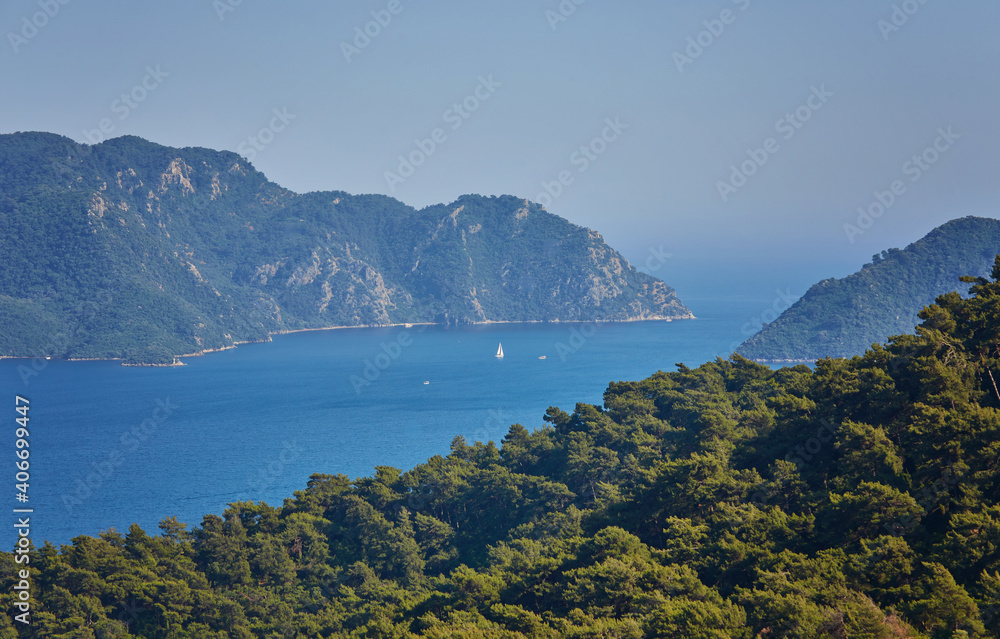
x: 177, y: 358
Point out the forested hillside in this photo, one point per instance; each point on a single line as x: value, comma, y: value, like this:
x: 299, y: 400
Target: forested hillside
x: 859, y: 499
x: 844, y: 317
x: 132, y: 250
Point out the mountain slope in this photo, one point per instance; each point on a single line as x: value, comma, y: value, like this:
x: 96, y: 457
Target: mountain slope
x: 133, y: 250
x: 843, y: 317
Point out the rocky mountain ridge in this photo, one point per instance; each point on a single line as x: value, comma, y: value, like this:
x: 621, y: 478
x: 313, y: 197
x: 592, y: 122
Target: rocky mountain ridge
x: 193, y: 249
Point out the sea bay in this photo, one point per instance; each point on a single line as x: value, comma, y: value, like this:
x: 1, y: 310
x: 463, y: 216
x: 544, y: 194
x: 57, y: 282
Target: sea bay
x: 112, y: 445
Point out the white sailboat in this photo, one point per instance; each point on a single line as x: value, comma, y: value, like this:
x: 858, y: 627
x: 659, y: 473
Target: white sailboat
x: 500, y: 350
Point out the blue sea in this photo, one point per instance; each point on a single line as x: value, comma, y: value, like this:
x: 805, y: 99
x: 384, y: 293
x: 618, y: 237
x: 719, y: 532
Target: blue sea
x: 113, y: 445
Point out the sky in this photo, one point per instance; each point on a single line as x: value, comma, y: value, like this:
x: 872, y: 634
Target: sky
x: 725, y: 146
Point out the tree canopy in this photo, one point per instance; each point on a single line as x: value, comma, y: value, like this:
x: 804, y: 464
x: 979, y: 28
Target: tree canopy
x: 856, y: 499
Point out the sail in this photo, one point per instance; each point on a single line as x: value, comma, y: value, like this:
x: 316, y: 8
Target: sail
x: 500, y: 350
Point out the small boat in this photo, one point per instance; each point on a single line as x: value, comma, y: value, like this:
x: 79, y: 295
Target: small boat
x: 427, y: 382
x: 541, y: 357
x: 500, y: 350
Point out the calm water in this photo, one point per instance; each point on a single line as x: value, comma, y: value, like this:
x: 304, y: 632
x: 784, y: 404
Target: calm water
x: 112, y: 445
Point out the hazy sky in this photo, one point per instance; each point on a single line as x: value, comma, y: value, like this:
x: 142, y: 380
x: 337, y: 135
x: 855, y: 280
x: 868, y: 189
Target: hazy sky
x: 817, y: 105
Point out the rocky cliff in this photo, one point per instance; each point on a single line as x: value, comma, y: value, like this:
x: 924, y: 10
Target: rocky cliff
x: 133, y: 250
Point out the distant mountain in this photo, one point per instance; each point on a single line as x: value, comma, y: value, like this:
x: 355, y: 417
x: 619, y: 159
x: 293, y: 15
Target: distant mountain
x: 137, y: 251
x: 843, y: 317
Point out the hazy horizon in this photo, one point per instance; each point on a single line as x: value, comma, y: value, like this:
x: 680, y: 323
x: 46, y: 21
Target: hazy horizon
x: 626, y: 118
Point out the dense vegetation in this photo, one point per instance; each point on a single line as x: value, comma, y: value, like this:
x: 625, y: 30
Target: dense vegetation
x: 843, y: 317
x: 859, y: 499
x: 132, y: 250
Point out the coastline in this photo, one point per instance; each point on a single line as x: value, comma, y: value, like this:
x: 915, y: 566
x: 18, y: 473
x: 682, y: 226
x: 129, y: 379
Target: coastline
x: 178, y: 358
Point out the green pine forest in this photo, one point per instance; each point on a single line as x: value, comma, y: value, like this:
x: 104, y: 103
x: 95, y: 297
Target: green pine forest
x: 858, y: 499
